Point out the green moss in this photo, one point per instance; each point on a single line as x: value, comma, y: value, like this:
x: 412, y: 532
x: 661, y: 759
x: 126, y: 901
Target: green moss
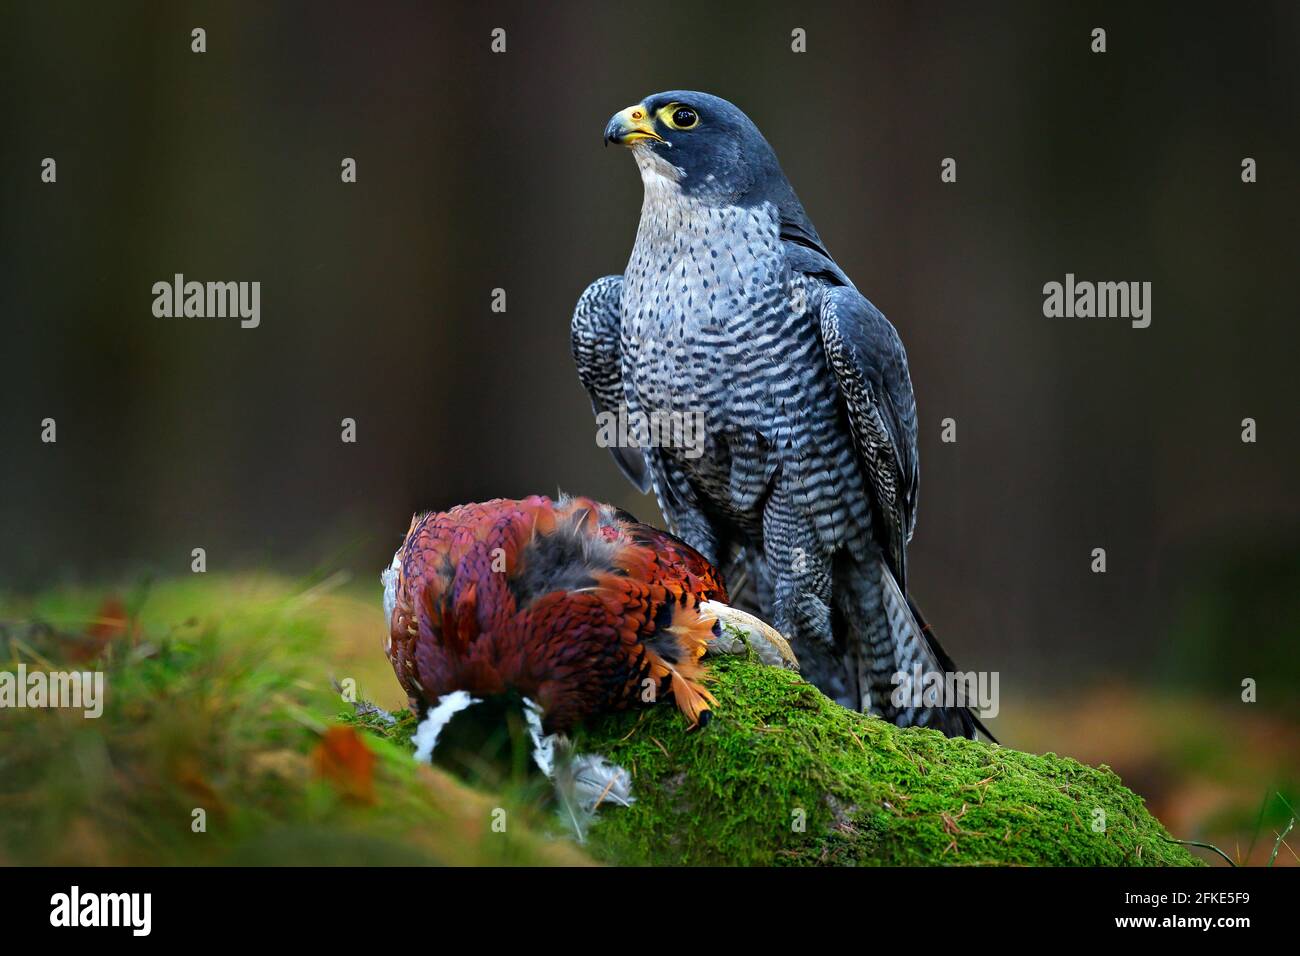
x: 219, y: 694
x: 783, y: 775
x: 216, y: 700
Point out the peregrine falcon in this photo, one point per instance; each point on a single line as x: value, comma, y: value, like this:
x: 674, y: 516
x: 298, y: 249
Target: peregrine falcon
x: 732, y: 310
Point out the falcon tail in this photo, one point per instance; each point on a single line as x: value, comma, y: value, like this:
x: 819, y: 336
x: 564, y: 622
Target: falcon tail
x: 969, y: 720
x: 897, y: 660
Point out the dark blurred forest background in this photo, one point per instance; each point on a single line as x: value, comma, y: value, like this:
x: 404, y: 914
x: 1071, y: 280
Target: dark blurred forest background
x: 479, y: 171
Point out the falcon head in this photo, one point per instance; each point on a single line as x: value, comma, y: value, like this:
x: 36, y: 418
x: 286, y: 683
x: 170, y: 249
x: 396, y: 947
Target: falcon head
x: 704, y: 145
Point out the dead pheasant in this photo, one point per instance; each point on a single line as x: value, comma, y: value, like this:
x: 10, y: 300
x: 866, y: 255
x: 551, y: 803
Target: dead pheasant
x: 572, y: 606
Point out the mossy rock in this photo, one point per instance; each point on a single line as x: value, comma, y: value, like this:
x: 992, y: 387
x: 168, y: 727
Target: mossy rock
x: 251, y: 662
x: 785, y: 776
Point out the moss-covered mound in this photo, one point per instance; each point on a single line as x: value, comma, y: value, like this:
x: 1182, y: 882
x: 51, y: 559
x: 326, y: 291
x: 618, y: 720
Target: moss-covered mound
x: 220, y: 699
x: 783, y: 775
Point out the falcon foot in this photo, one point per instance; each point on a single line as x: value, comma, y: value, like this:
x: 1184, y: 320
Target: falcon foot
x: 742, y: 632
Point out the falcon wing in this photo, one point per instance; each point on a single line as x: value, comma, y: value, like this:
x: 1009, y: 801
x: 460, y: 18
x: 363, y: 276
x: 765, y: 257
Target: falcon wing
x: 594, y: 338
x: 867, y: 356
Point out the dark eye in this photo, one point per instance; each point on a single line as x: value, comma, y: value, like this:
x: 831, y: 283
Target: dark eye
x: 684, y: 117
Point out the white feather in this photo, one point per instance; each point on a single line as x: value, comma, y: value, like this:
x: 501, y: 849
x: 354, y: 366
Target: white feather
x: 426, y: 735
x: 596, y: 780
x: 389, y: 577
x: 543, y: 744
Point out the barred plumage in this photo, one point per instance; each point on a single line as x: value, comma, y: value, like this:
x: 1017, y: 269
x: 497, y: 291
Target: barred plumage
x: 731, y: 308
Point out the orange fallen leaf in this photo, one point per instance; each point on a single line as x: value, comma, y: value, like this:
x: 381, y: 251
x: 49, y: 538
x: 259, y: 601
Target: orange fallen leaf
x: 108, y: 624
x: 343, y: 759
x: 189, y: 774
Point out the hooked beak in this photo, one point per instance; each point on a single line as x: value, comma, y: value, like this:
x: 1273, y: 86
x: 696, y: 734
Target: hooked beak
x: 631, y: 126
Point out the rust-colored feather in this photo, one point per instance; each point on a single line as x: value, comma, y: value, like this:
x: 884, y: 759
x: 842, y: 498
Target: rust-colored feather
x: 570, y: 603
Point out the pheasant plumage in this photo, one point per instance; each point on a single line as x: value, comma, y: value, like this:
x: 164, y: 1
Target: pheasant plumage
x: 572, y: 605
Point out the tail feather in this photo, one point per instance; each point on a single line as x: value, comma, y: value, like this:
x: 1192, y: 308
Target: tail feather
x: 887, y: 635
x: 693, y: 699
x: 969, y: 717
